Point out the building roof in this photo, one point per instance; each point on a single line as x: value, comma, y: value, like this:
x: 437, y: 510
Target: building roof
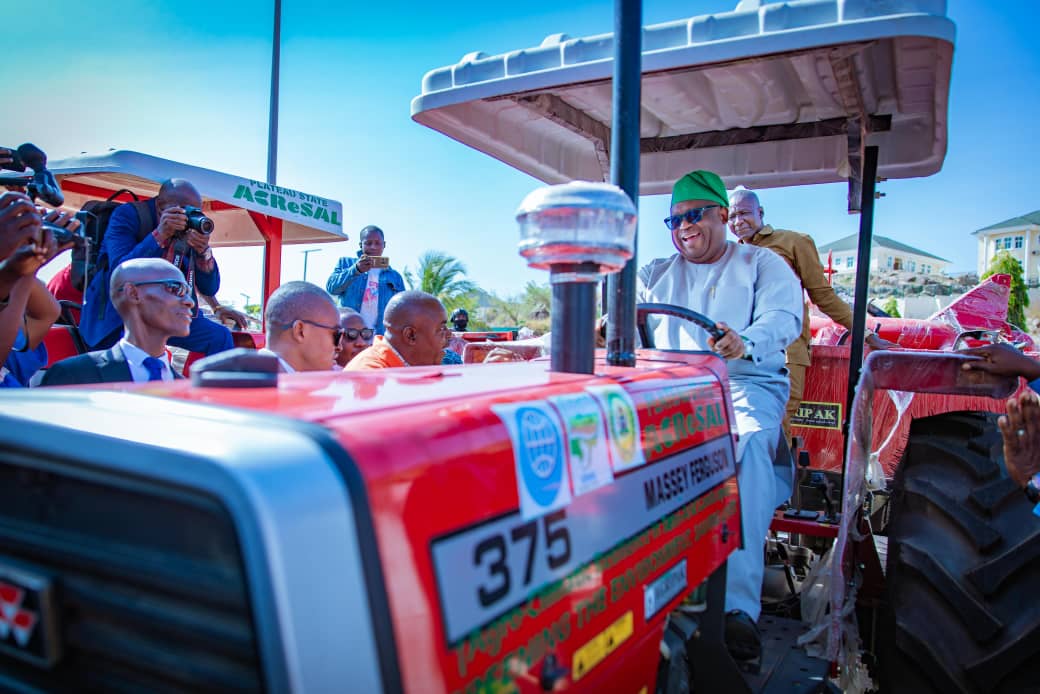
x: 851, y: 243
x: 1024, y: 220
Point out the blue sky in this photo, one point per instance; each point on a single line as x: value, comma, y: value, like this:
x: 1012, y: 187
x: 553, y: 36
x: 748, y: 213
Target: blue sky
x: 189, y: 81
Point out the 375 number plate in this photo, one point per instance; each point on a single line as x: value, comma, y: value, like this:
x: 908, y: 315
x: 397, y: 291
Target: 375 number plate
x: 485, y: 570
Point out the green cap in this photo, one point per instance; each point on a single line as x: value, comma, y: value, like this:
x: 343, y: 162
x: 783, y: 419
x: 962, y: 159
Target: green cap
x: 700, y: 185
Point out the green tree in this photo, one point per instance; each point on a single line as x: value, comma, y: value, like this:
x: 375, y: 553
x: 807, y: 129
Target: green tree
x: 444, y: 276
x: 537, y: 300
x: 529, y: 308
x: 891, y: 307
x: 506, y: 311
x: 1004, y: 263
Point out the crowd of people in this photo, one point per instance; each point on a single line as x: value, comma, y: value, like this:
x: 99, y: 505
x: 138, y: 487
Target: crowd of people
x: 153, y: 269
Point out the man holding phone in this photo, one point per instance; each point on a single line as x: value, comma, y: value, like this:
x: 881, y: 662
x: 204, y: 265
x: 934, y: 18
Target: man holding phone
x: 368, y: 283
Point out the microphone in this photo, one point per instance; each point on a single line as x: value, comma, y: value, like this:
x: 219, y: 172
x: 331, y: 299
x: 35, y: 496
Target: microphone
x: 31, y: 156
x: 43, y: 184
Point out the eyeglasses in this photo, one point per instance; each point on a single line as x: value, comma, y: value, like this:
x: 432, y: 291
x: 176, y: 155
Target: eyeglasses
x: 337, y: 332
x: 691, y: 216
x: 355, y: 333
x: 179, y: 288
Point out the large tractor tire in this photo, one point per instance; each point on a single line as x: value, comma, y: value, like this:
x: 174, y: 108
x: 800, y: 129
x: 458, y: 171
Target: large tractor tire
x: 963, y: 577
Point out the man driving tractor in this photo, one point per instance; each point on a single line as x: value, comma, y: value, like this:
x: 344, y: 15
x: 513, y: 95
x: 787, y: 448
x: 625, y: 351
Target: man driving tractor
x: 758, y: 302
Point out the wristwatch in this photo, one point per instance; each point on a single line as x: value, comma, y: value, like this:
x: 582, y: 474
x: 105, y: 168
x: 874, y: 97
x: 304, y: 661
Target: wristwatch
x: 749, y: 347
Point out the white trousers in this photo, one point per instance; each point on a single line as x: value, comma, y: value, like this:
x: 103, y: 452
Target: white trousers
x: 758, y: 491
x: 759, y: 407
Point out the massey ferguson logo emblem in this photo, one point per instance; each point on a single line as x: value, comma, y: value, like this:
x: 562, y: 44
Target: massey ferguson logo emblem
x: 27, y: 627
x: 15, y: 620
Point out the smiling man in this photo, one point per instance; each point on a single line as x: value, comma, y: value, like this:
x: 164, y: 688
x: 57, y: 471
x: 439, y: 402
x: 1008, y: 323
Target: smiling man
x: 154, y: 303
x: 757, y: 302
x: 746, y: 221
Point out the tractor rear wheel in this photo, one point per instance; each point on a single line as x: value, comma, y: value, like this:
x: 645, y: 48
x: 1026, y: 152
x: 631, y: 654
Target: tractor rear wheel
x: 963, y: 582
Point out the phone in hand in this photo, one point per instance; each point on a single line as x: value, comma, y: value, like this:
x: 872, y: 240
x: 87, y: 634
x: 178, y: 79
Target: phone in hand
x: 380, y: 261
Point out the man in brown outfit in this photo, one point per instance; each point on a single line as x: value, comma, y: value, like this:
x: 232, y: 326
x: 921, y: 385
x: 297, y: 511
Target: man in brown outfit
x: 746, y: 222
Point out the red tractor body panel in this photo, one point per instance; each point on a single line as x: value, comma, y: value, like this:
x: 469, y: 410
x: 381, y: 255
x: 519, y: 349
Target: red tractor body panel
x: 822, y: 412
x: 485, y: 592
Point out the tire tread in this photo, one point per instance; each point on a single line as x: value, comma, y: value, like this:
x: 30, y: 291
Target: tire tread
x: 963, y: 565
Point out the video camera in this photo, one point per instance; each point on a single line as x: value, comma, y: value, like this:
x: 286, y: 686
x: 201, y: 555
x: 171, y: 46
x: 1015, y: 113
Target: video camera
x: 197, y: 220
x: 41, y: 183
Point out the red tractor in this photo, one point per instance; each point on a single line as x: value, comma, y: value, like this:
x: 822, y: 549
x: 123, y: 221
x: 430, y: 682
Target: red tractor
x: 789, y: 94
x: 560, y: 523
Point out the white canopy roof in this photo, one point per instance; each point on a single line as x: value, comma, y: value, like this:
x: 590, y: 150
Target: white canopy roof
x: 226, y: 198
x: 767, y: 95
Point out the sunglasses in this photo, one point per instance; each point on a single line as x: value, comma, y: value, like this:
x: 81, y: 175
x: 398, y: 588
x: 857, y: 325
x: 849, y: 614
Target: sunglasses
x: 337, y: 332
x: 363, y: 333
x: 179, y: 288
x: 691, y: 216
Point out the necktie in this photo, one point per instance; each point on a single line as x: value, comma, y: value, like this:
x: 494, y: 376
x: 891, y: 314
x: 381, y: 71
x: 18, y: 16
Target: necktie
x: 155, y: 368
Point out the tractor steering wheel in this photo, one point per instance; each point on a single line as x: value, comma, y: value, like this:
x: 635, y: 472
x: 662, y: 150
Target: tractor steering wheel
x: 643, y: 311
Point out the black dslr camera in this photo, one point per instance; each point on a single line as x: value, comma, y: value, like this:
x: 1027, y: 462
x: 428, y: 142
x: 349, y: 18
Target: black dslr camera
x: 197, y: 220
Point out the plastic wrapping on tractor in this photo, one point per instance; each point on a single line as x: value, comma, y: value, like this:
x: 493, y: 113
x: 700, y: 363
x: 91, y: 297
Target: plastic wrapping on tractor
x: 974, y: 318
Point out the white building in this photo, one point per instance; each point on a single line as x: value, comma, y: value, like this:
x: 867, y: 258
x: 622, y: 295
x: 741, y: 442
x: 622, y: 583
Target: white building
x: 1020, y: 236
x: 885, y: 254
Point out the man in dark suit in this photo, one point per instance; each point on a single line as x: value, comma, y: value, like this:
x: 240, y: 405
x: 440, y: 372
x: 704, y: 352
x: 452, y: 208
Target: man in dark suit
x: 155, y: 303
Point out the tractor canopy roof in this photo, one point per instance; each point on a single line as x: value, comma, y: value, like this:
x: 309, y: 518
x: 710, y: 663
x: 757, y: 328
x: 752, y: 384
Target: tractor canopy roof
x: 241, y: 207
x: 767, y: 95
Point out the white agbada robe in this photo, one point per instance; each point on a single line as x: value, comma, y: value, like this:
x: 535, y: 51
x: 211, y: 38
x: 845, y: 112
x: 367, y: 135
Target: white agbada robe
x: 753, y: 291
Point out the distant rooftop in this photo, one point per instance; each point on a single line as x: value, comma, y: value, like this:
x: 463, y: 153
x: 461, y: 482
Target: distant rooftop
x: 1024, y: 220
x: 851, y: 243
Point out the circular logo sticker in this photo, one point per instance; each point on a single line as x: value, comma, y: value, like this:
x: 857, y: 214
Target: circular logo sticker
x: 622, y: 426
x: 541, y: 454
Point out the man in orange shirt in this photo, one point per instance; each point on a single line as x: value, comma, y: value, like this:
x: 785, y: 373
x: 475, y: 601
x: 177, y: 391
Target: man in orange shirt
x: 416, y: 333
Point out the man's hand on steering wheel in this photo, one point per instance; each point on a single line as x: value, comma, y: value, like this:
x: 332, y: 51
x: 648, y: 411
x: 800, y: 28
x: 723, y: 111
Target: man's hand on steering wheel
x: 730, y: 345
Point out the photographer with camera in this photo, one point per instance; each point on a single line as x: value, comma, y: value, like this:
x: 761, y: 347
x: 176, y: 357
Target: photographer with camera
x: 180, y: 236
x: 368, y: 283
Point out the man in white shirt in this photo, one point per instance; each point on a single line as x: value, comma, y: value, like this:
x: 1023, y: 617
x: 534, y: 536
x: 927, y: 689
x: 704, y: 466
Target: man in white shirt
x: 303, y: 328
x: 757, y: 302
x: 155, y: 304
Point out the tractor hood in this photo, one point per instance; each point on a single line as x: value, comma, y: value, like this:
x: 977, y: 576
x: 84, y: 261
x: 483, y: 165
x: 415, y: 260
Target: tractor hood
x: 767, y: 95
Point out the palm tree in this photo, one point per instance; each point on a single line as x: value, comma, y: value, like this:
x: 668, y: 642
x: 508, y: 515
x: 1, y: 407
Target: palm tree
x: 443, y: 276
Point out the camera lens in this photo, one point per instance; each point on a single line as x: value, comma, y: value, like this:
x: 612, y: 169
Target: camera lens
x: 198, y: 221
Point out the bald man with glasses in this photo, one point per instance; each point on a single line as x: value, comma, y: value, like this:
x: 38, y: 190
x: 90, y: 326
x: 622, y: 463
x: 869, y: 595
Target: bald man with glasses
x: 155, y: 304
x: 303, y: 328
